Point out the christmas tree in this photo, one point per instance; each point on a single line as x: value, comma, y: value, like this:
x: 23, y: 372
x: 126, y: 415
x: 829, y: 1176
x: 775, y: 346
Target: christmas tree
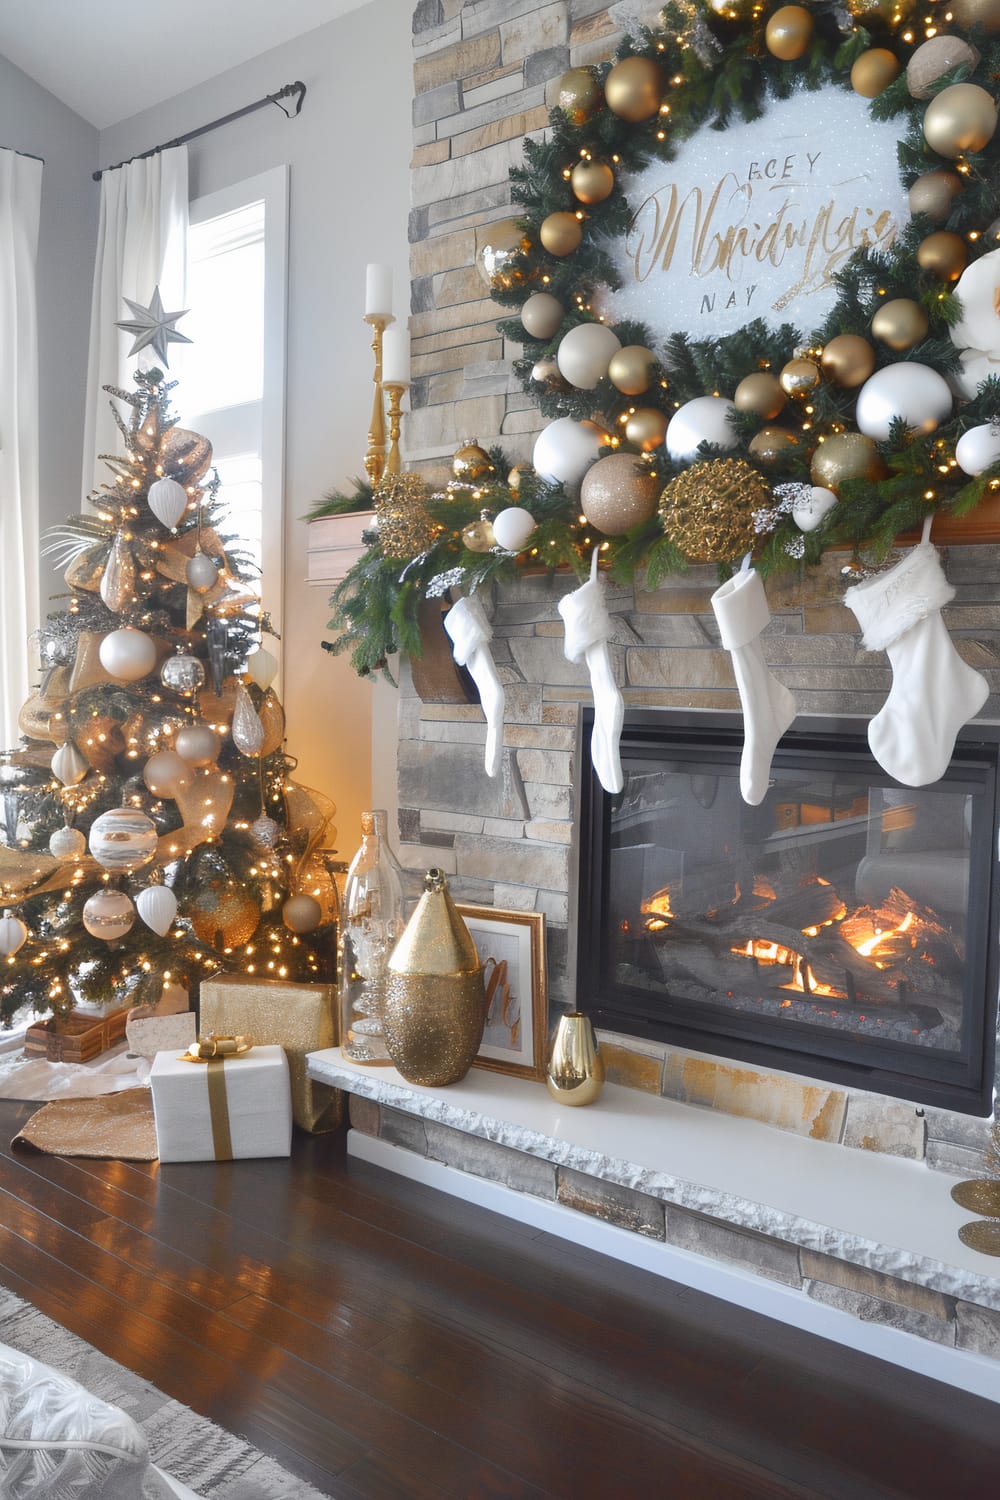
x: 150, y: 831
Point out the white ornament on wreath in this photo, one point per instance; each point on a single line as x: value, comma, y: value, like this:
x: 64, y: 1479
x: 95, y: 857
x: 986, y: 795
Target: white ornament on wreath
x: 811, y: 511
x: 585, y: 353
x: 512, y: 528
x: 978, y: 449
x: 977, y: 332
x: 907, y: 390
x: 706, y: 419
x: 564, y: 451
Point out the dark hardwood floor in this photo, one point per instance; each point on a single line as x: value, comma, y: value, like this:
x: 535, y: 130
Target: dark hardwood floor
x: 382, y: 1341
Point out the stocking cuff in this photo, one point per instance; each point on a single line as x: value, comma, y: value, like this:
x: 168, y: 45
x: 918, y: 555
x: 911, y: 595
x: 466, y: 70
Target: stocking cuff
x: 888, y: 606
x: 740, y: 606
x: 586, y: 618
x: 468, y: 627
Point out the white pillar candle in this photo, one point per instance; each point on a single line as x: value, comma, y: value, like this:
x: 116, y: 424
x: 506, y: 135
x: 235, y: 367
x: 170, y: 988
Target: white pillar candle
x: 396, y: 357
x: 378, y: 291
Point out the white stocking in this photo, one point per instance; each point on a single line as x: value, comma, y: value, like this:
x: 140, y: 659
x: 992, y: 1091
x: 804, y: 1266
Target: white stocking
x: 588, y: 630
x: 471, y: 633
x: 934, y: 692
x: 740, y: 606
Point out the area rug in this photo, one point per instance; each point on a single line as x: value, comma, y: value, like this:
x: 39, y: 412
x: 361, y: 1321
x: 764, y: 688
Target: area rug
x: 214, y: 1463
x: 116, y: 1126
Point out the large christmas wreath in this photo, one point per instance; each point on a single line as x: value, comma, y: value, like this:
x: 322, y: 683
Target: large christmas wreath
x: 664, y: 448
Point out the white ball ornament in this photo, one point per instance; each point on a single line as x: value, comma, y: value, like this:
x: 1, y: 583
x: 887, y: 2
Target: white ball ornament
x: 907, y: 390
x: 813, y: 508
x: 166, y: 773
x: 69, y: 765
x: 201, y: 573
x: 978, y: 449
x: 302, y: 913
x: 128, y: 654
x: 108, y: 915
x: 122, y: 840
x: 157, y: 906
x: 199, y: 745
x: 706, y: 419
x: 512, y: 528
x: 542, y: 315
x: 13, y: 935
x: 262, y: 667
x: 585, y: 353
x: 564, y: 451
x: 168, y: 501
x: 67, y: 843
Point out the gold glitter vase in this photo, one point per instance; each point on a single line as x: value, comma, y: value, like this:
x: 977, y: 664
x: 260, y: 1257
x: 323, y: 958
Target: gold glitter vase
x: 575, y: 1074
x: 435, y: 998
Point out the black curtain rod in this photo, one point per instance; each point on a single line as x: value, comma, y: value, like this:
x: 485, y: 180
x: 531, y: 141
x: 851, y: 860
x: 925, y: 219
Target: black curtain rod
x: 29, y: 154
x: 289, y: 89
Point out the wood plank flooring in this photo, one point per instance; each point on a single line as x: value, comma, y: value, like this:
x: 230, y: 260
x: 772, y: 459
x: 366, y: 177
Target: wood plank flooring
x: 386, y: 1342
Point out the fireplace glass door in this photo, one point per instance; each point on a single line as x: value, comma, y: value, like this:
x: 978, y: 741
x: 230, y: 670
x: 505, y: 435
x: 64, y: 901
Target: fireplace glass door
x: 844, y: 928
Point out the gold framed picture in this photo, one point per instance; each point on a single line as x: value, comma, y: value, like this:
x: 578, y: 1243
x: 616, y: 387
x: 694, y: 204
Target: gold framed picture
x: 516, y: 1035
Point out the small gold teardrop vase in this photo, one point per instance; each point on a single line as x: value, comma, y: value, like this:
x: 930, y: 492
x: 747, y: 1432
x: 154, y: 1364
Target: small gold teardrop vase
x: 575, y: 1073
x: 435, y: 996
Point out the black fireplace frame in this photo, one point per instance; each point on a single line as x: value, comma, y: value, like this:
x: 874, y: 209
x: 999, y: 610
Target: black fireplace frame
x: 963, y: 1083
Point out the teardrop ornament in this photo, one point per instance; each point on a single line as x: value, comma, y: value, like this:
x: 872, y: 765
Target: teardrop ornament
x: 247, y: 729
x: 118, y: 578
x: 168, y: 501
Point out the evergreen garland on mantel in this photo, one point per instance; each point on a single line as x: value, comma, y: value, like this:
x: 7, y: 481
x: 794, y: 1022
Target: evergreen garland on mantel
x: 717, y: 68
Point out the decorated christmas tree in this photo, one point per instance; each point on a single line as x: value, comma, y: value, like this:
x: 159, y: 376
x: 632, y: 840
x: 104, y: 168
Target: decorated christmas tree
x: 150, y: 831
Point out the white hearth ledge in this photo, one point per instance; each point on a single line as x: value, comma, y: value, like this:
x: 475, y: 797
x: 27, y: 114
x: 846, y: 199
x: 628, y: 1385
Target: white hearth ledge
x: 880, y: 1212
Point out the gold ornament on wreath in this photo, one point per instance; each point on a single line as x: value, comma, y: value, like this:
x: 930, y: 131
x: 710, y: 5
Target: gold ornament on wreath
x: 708, y: 511
x: 404, y: 527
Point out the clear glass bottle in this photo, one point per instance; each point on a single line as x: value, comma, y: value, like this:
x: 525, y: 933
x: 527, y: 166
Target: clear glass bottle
x: 371, y: 920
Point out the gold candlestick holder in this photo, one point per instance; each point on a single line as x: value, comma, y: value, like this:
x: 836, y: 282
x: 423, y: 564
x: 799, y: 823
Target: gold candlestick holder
x: 395, y: 395
x: 375, y: 456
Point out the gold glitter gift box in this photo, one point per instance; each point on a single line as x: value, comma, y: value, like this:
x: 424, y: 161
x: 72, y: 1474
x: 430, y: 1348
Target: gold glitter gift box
x: 272, y: 1012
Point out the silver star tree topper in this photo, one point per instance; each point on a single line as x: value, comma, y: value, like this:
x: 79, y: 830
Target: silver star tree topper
x: 152, y: 327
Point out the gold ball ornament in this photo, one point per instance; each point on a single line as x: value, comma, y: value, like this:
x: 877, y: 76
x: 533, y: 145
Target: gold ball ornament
x: 848, y: 360
x: 933, y: 59
x: 800, y: 378
x: 302, y: 913
x: 789, y: 32
x: 873, y: 71
x: 633, y: 89
x: 498, y: 244
x: 708, y: 511
x: 223, y: 914
x: 900, y: 324
x: 933, y: 193
x: 761, y: 394
x: 630, y: 370
x: 470, y: 462
x: 984, y: 13
x: 647, y: 428
x: 943, y: 254
x: 478, y: 537
x: 846, y: 455
x: 542, y: 315
x: 404, y: 527
x: 592, y: 181
x: 561, y: 233
x: 580, y: 95
x: 962, y: 118
x: 618, y: 492
x: 772, y: 445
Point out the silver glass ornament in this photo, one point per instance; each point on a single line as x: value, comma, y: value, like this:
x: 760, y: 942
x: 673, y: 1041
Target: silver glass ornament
x: 201, y: 573
x: 118, y: 578
x: 247, y: 730
x: 183, y: 674
x: 265, y: 831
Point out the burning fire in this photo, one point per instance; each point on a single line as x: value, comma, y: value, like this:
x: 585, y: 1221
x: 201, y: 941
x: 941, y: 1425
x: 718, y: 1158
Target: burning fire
x: 802, y: 979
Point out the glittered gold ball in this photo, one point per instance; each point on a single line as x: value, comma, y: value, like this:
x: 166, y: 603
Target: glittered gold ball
x: 873, y: 71
x: 592, y: 181
x: 630, y: 370
x: 799, y: 378
x: 404, y: 527
x: 478, y: 537
x: 497, y: 246
x: 848, y: 360
x: 960, y: 119
x: 772, y: 445
x: 580, y: 95
x: 789, y: 32
x: 760, y: 393
x: 618, y: 492
x: 561, y: 233
x: 933, y: 59
x: 900, y: 324
x: 633, y: 89
x: 933, y: 193
x: 943, y: 254
x: 984, y: 13
x: 647, y: 428
x: 708, y: 511
x: 876, y: 13
x: 846, y: 455
x: 470, y: 462
x: 223, y: 914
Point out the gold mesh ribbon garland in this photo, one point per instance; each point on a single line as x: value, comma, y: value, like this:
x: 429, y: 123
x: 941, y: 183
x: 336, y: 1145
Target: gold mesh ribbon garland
x: 708, y: 511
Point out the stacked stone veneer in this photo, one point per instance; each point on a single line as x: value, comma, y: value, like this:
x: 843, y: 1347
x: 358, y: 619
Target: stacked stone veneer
x: 484, y: 75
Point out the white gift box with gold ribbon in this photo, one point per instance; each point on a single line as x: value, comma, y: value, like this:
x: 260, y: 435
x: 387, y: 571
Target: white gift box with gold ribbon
x: 224, y: 1109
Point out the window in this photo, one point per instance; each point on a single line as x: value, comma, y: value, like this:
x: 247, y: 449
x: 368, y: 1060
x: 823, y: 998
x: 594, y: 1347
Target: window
x: 234, y: 375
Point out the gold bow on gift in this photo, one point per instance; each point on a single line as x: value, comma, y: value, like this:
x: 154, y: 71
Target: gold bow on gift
x: 212, y: 1047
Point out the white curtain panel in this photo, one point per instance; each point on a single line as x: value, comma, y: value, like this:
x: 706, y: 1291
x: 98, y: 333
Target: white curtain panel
x: 20, y: 201
x: 141, y: 244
